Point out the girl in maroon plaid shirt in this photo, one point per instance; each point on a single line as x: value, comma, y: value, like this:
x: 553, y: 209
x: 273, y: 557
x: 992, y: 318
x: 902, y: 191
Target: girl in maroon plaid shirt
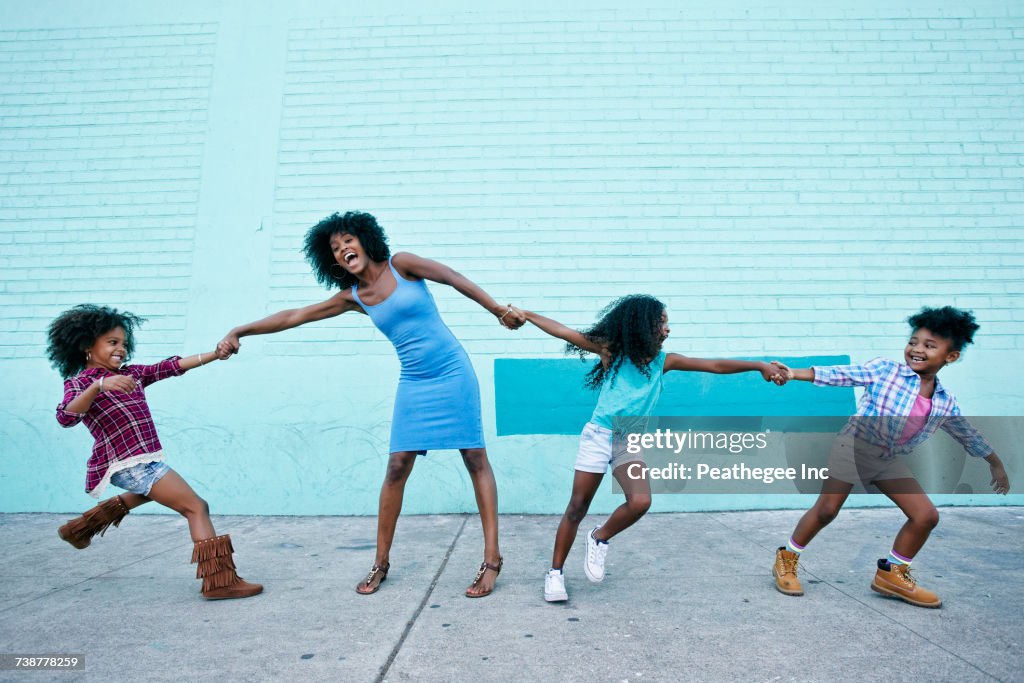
x: 89, y: 345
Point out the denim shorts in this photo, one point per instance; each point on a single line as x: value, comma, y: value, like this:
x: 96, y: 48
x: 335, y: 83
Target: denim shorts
x: 600, y: 452
x: 140, y: 478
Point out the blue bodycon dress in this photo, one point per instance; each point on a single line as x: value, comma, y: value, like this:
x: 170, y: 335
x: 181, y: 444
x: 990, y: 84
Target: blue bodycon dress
x: 438, y: 400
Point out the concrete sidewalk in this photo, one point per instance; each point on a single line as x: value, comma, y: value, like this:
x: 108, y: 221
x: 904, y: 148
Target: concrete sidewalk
x: 687, y: 597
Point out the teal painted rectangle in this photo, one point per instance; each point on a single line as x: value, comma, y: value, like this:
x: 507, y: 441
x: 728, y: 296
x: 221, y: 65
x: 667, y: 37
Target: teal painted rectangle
x: 547, y: 396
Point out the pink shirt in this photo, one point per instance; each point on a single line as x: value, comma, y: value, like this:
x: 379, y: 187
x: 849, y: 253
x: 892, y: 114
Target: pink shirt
x: 919, y: 413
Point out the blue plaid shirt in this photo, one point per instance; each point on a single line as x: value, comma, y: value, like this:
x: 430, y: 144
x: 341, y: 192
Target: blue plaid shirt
x: 890, y: 389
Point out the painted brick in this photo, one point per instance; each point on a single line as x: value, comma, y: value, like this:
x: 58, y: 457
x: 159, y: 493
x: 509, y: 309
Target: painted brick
x: 94, y: 118
x: 789, y: 179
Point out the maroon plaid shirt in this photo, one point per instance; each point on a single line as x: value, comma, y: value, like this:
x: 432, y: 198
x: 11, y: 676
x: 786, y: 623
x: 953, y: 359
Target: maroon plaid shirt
x: 120, y: 422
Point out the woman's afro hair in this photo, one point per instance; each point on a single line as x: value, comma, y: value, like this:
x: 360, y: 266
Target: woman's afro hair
x: 950, y: 323
x: 317, y: 246
x: 76, y: 330
x: 629, y: 327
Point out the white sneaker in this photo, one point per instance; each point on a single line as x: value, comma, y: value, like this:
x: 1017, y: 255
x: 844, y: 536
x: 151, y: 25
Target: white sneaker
x: 554, y: 586
x: 593, y: 563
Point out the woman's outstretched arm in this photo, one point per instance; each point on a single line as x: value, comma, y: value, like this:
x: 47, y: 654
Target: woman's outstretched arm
x: 341, y: 302
x: 427, y: 269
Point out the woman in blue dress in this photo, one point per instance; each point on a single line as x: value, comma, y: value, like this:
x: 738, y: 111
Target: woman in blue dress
x: 438, y: 400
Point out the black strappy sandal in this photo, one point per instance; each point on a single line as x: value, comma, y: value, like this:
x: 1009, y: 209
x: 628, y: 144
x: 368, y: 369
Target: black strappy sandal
x: 374, y: 579
x: 484, y: 566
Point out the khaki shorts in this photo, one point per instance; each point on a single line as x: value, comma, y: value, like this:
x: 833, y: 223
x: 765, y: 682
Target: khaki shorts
x: 860, y: 463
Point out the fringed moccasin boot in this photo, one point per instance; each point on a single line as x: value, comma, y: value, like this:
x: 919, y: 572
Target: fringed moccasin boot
x: 79, y: 531
x: 217, y: 570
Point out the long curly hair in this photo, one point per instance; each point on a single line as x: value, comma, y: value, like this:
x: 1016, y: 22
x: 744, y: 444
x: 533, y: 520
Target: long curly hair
x: 77, y: 329
x: 317, y: 246
x: 629, y: 327
x: 954, y: 324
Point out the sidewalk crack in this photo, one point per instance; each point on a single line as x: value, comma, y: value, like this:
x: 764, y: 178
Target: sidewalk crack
x: 423, y: 603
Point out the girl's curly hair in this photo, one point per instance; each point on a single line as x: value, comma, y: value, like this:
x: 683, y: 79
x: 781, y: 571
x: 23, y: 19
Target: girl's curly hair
x: 629, y: 327
x: 956, y: 325
x: 317, y: 246
x: 77, y: 329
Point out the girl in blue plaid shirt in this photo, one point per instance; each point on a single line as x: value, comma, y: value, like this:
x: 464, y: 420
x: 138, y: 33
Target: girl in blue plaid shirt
x: 902, y: 406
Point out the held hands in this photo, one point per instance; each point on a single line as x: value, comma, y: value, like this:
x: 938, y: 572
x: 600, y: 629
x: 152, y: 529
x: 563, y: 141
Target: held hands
x: 1000, y: 480
x: 776, y: 372
x: 228, y: 345
x: 785, y: 370
x: 512, y: 318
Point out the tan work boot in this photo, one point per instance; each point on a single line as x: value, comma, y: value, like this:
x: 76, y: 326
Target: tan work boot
x: 895, y: 581
x: 784, y: 572
x: 217, y: 570
x: 79, y: 531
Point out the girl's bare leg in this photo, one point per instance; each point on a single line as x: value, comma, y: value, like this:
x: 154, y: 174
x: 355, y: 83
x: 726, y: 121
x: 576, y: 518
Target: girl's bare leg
x: 174, y: 492
x: 830, y: 501
x: 921, y: 514
x: 638, y: 502
x: 584, y: 486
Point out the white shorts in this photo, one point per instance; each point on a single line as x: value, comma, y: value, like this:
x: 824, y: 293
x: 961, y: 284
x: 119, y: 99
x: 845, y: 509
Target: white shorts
x: 596, y: 453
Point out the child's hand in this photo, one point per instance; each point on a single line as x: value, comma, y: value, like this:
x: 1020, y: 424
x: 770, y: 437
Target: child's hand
x: 1000, y: 480
x: 776, y: 372
x: 117, y: 383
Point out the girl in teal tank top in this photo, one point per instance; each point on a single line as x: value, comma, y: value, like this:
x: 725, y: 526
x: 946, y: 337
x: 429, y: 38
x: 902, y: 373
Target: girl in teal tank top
x: 628, y: 339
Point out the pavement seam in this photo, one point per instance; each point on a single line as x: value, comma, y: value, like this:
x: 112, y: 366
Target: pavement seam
x: 803, y: 569
x: 423, y: 603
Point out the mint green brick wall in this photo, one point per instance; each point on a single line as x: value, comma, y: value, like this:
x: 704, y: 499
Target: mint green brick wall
x: 790, y: 179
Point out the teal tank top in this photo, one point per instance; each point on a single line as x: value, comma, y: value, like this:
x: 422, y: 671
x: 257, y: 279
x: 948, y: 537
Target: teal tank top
x: 629, y: 392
